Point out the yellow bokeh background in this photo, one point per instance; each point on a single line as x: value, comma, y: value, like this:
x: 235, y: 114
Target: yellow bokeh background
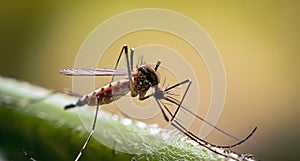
x: 258, y: 42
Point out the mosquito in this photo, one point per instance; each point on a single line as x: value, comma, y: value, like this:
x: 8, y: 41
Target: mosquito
x: 138, y: 84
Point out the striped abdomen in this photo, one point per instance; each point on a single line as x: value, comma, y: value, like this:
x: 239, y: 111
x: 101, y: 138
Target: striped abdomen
x: 106, y: 94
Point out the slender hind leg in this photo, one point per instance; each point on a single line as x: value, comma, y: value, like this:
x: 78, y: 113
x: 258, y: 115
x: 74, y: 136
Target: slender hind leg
x: 28, y: 156
x: 176, y: 124
x: 124, y: 48
x: 178, y: 84
x: 129, y: 68
x: 91, y: 133
x: 161, y: 94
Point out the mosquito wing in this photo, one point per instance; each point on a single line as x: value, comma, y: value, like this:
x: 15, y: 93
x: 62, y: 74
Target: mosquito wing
x: 93, y: 72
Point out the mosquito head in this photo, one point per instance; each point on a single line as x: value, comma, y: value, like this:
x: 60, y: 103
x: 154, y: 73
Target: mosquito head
x: 145, y: 78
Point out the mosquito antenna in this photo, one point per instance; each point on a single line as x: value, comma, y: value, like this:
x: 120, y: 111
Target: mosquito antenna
x: 157, y: 65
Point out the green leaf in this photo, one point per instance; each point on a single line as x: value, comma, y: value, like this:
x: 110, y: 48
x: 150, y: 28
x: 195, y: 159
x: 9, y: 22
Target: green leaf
x: 32, y: 118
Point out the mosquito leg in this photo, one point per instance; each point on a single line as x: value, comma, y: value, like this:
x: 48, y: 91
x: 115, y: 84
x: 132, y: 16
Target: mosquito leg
x: 174, y: 101
x: 199, y: 141
x: 131, y: 58
x: 162, y: 110
x: 159, y: 105
x: 124, y: 48
x: 240, y: 141
x: 114, y: 149
x: 91, y: 133
x: 158, y: 102
x: 203, y: 144
x: 218, y: 146
x: 133, y: 93
x: 137, y: 157
x: 176, y: 85
x: 187, y: 88
x: 28, y: 156
x: 129, y: 66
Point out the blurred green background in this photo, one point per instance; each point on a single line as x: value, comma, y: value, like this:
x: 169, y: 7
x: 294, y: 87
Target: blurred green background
x: 258, y: 41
